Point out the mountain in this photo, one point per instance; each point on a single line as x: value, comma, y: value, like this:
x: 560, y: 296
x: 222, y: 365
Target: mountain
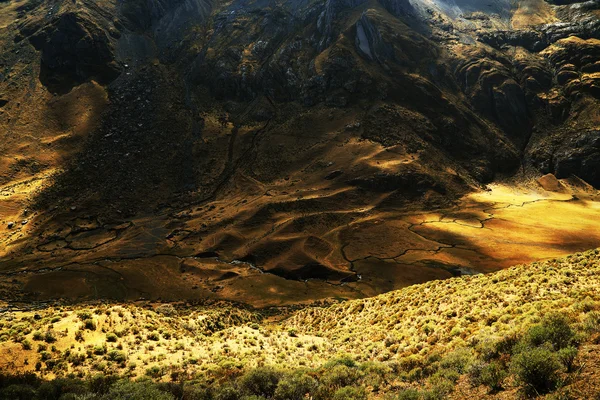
x: 279, y: 152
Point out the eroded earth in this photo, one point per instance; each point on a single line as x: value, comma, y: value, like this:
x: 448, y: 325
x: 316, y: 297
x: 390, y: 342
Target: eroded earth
x: 300, y: 255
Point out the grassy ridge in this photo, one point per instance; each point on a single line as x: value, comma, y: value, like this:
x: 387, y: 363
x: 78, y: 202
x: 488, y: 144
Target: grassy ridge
x: 483, y: 334
x: 456, y: 312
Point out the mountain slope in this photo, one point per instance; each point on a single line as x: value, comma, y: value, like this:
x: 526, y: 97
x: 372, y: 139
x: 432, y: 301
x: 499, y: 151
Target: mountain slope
x: 166, y: 134
x: 434, y: 327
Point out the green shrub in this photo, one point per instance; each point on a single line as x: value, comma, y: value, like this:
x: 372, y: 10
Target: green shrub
x: 536, y: 370
x: 99, y: 349
x: 18, y: 392
x: 111, y: 337
x: 295, y: 387
x: 567, y: 357
x: 440, y: 388
x: 197, y: 392
x: 554, y: 329
x: 448, y: 374
x: 155, y: 372
x: 340, y: 376
x: 493, y: 375
x: 335, y: 378
x: 344, y: 360
x: 117, y: 356
x: 457, y: 360
x: 374, y: 374
x: 127, y: 390
x: 261, y: 381
x: 415, y: 374
x: 408, y: 394
x: 228, y: 392
x: 49, y: 337
x: 101, y: 383
x: 84, y: 315
x: 350, y: 393
x: 89, y: 324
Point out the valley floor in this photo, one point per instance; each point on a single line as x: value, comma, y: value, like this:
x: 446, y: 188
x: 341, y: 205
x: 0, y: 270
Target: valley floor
x: 361, y: 251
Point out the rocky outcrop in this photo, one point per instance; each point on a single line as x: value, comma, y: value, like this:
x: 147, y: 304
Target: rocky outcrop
x: 369, y: 42
x: 74, y: 49
x: 167, y: 20
x: 327, y: 18
x: 579, y: 156
x: 493, y: 90
x: 400, y: 8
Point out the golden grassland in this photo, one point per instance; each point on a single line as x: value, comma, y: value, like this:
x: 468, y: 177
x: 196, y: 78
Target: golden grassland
x: 401, y: 335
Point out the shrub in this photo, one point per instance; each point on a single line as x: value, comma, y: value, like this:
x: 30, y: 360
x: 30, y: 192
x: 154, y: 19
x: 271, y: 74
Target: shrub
x: 374, y: 374
x: 228, y: 392
x: 440, y: 389
x: 295, y: 387
x: 261, y: 381
x: 101, y: 383
x: 567, y: 357
x: 166, y: 309
x: 127, y: 390
x: 154, y: 336
x: 89, y: 324
x: 411, y: 362
x: 457, y: 360
x: 536, y: 370
x: 155, y: 372
x: 493, y: 375
x: 18, y: 392
x: 26, y: 344
x: 335, y: 378
x: 50, y: 337
x: 408, y: 394
x: 84, y: 315
x: 350, y: 393
x: 117, y: 356
x: 111, y: 338
x: 448, y: 374
x: 197, y: 392
x: 554, y: 329
x: 344, y: 360
x: 99, y: 349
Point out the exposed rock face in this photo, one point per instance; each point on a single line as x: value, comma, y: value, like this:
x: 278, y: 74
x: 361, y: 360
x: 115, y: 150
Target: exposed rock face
x: 400, y: 8
x: 327, y: 18
x: 370, y: 43
x: 344, y: 52
x: 167, y: 20
x: 73, y: 50
x: 493, y: 90
x: 580, y: 156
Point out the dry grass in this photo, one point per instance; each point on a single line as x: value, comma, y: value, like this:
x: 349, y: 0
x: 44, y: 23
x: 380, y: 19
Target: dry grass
x: 410, y: 324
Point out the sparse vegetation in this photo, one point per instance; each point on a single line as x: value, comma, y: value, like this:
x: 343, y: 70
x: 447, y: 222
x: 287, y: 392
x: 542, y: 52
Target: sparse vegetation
x: 418, y: 346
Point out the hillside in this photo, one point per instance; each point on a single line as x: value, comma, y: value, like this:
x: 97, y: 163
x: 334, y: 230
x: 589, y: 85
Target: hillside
x: 274, y: 136
x: 299, y: 199
x: 410, y: 338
